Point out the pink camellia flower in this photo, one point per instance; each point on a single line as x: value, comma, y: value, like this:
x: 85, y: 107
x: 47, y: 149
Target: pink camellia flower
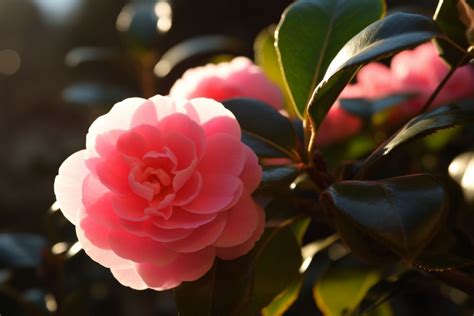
x: 418, y: 71
x: 162, y: 188
x: 237, y: 78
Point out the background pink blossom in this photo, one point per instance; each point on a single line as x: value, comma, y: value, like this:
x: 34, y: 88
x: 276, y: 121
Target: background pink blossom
x: 418, y: 71
x: 237, y: 78
x: 162, y: 188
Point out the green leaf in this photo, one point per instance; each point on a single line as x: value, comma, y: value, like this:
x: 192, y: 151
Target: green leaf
x: 381, y: 39
x: 448, y: 17
x: 278, y: 176
x: 366, y: 108
x: 21, y: 250
x: 266, y: 57
x: 340, y: 290
x: 450, y: 249
x: 420, y: 126
x: 403, y: 214
x: 310, y: 34
x: 267, y: 132
x: 284, y: 300
x: 246, y: 285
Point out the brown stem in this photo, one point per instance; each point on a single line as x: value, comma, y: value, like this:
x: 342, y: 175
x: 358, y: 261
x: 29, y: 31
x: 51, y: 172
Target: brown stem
x: 441, y: 85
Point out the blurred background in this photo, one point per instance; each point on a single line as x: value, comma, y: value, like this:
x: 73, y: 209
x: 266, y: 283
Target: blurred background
x: 63, y: 63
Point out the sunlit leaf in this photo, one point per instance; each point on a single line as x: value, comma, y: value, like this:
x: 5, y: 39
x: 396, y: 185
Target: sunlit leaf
x: 340, y: 290
x: 423, y: 125
x: 311, y: 33
x: 453, y: 18
x: 381, y: 39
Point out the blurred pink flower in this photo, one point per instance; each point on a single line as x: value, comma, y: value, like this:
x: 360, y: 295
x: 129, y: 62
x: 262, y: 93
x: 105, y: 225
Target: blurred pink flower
x: 237, y: 78
x: 162, y: 188
x: 418, y: 71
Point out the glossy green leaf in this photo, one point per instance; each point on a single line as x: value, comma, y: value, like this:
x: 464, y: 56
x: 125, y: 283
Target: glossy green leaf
x: 310, y: 34
x: 403, y: 214
x: 282, y: 210
x: 450, y: 249
x: 420, y: 126
x: 284, y: 300
x: 278, y: 176
x: 267, y: 132
x: 381, y: 39
x: 246, y: 285
x: 21, y: 250
x: 340, y: 290
x: 448, y: 17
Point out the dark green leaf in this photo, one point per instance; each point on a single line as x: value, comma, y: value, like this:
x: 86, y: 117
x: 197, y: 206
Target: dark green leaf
x: 245, y: 285
x: 311, y: 33
x: 21, y: 250
x: 284, y: 300
x: 450, y: 249
x: 95, y: 93
x: 267, y: 132
x: 278, y: 176
x: 420, y: 126
x: 282, y: 210
x: 366, y: 108
x: 381, y: 39
x: 340, y: 290
x: 447, y: 17
x: 402, y: 213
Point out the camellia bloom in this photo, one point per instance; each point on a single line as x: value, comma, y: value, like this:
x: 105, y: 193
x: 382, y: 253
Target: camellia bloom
x: 162, y: 188
x: 237, y: 78
x: 418, y: 71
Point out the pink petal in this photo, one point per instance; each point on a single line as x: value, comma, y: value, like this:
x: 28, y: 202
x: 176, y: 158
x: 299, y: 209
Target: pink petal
x: 189, y: 190
x: 201, y: 237
x: 118, y: 118
x: 242, y: 249
x: 217, y: 193
x: 181, y: 124
x: 186, y: 267
x: 105, y: 144
x: 213, y: 117
x: 68, y: 185
x: 129, y: 277
x: 140, y: 249
x: 148, y: 229
x: 242, y: 221
x: 224, y: 154
x: 182, y: 148
x: 132, y: 144
x: 252, y: 172
x: 90, y: 234
x: 152, y: 136
x: 113, y: 173
x: 184, y: 219
x: 130, y: 207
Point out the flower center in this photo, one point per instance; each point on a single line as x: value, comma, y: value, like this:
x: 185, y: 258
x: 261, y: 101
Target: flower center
x: 156, y: 179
